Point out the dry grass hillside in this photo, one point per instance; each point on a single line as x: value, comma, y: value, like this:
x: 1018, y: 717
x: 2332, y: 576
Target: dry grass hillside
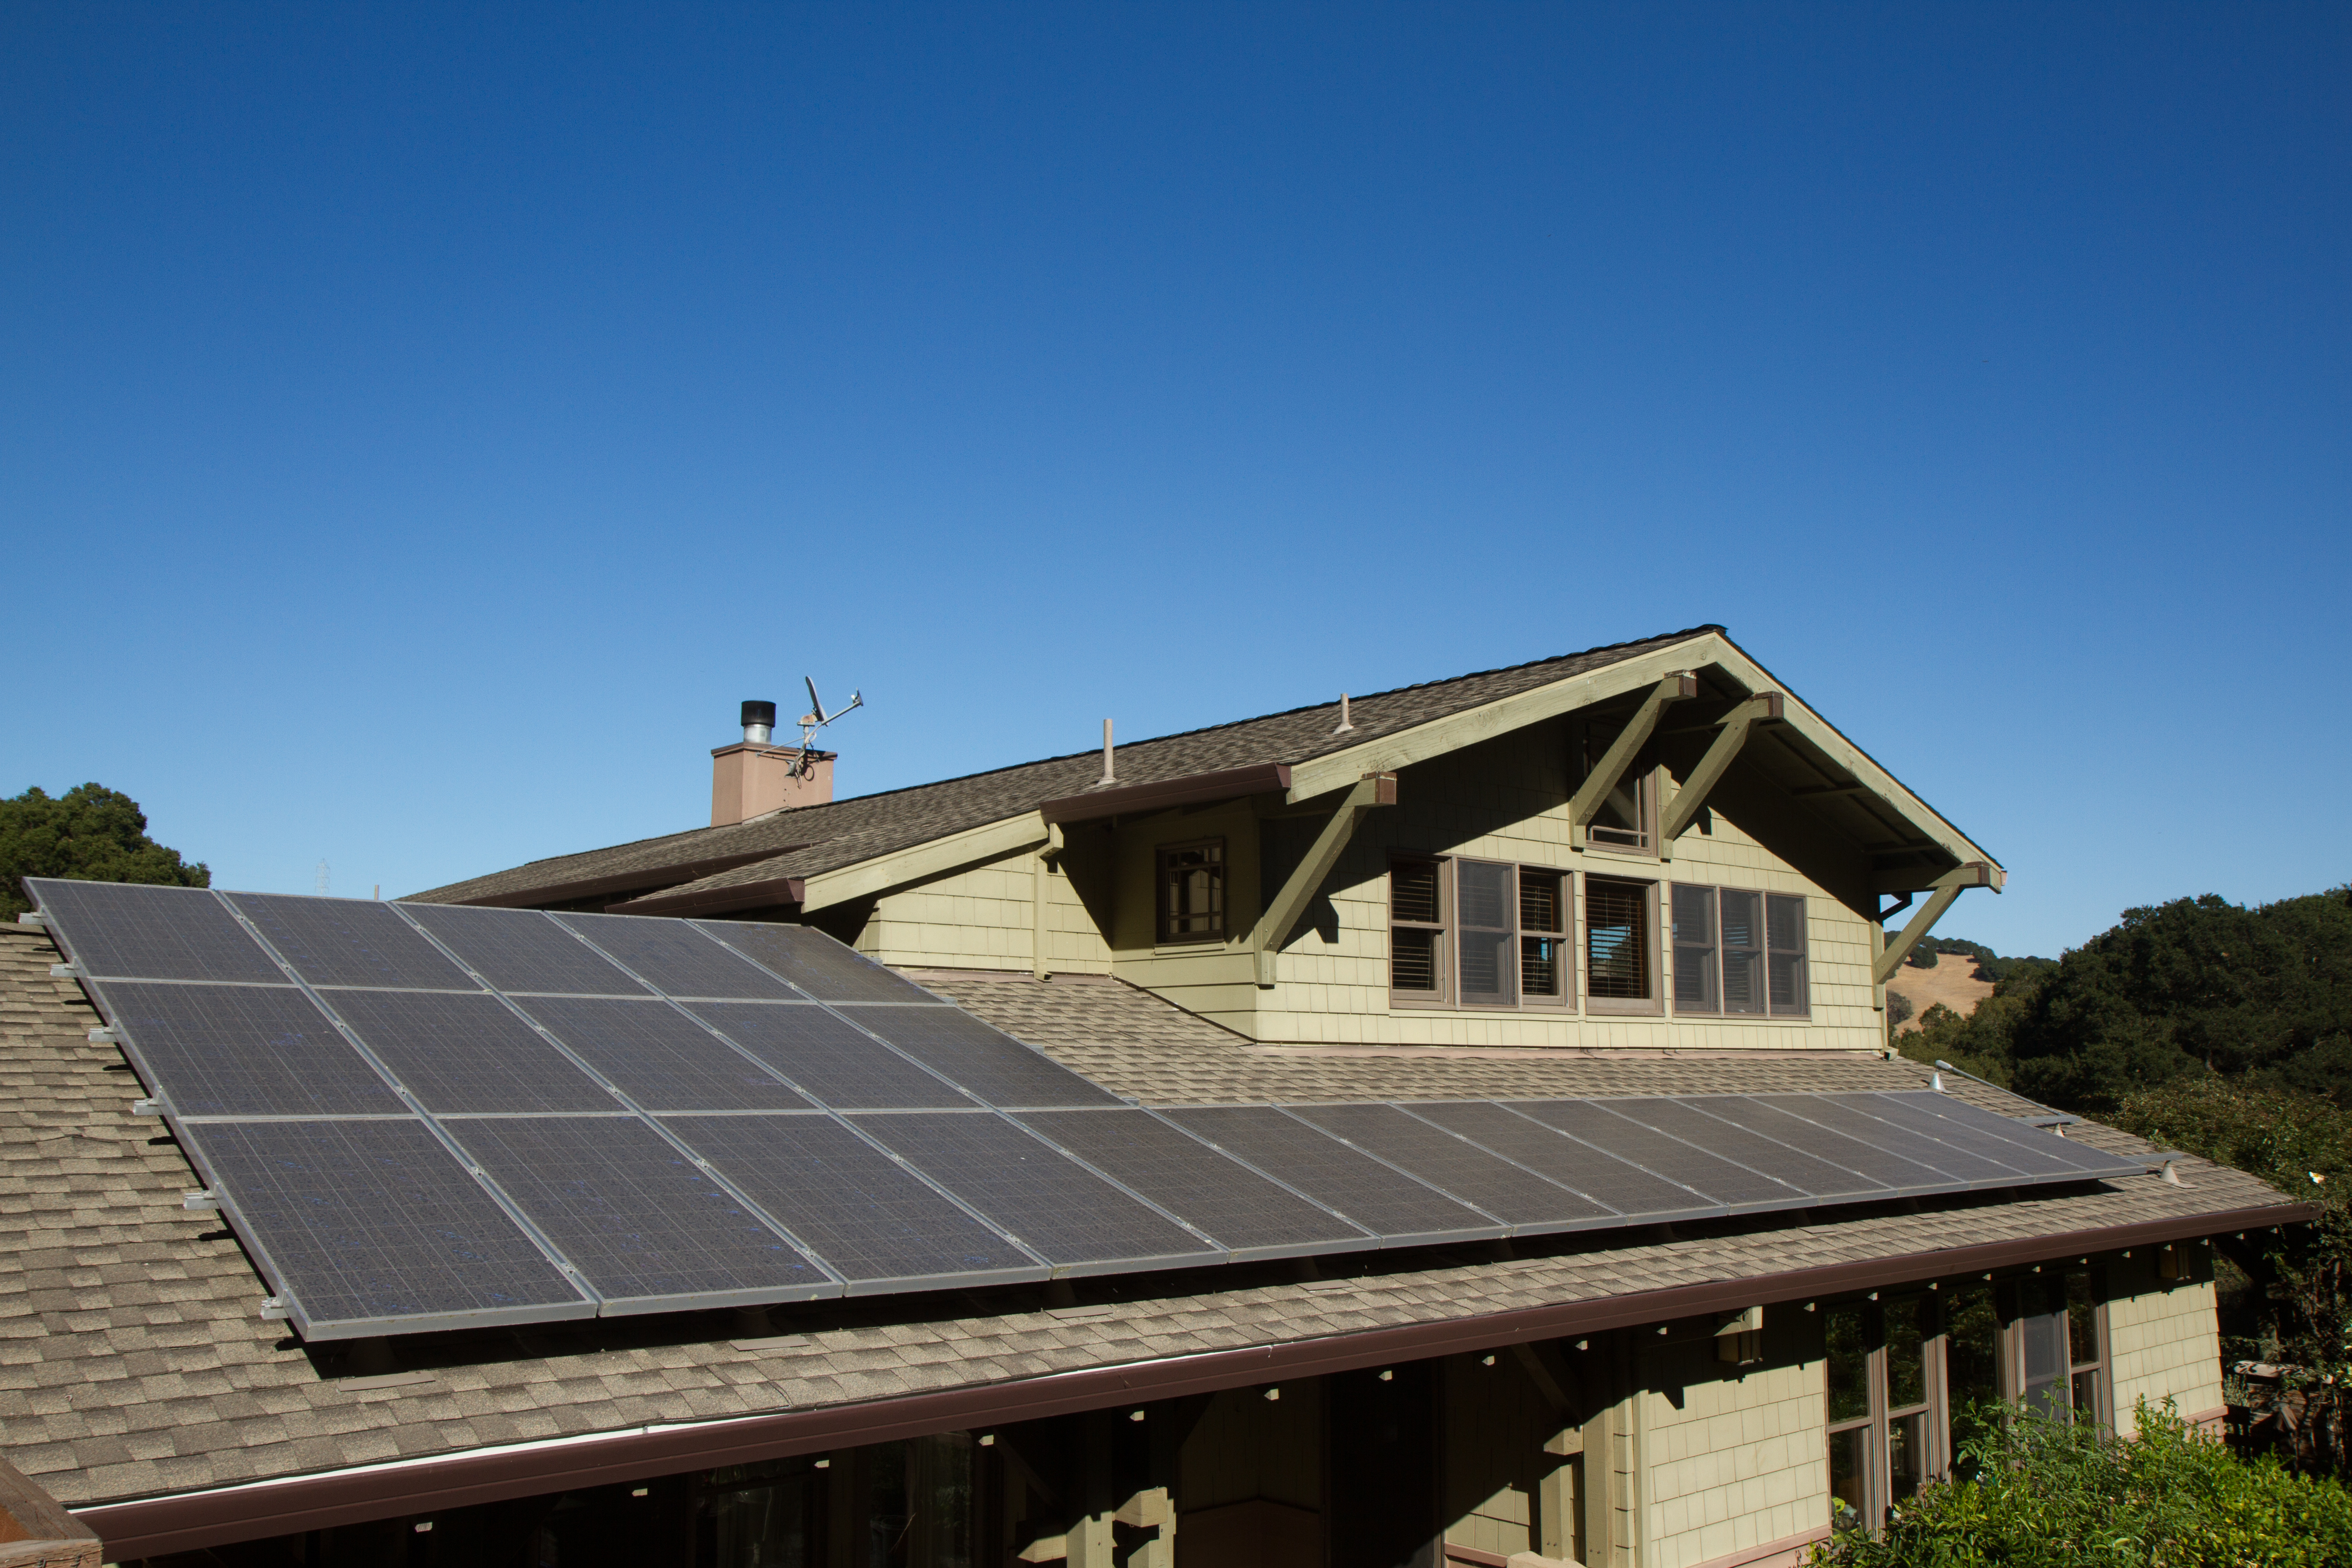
x: 1953, y: 982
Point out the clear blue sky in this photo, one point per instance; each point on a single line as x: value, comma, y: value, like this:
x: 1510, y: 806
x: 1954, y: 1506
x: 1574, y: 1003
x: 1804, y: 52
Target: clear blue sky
x: 419, y: 428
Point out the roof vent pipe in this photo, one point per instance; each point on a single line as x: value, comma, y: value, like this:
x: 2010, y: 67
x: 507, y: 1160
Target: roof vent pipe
x: 759, y: 723
x: 1108, y: 776
x: 1347, y: 725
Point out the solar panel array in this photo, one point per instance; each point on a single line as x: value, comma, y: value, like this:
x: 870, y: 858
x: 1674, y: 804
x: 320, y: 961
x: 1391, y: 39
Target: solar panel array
x: 420, y: 1117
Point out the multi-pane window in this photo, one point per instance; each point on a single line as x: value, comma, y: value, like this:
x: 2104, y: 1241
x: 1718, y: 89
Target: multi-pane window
x: 1624, y: 818
x: 1478, y: 933
x: 1193, y: 892
x: 1543, y: 936
x: 1617, y: 941
x: 2086, y: 1347
x: 1852, y: 1451
x: 1884, y: 1431
x: 1417, y: 931
x: 1739, y: 951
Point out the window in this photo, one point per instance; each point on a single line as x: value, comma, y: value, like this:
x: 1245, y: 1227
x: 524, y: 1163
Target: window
x: 1417, y: 932
x: 1618, y: 969
x: 1737, y: 952
x: 1487, y: 900
x: 1543, y: 937
x: 2086, y: 1348
x: 1193, y: 892
x: 1885, y: 1427
x: 1852, y: 1498
x: 2060, y: 1355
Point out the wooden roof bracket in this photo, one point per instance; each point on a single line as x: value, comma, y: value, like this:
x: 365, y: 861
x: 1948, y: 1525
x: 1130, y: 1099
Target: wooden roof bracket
x: 1041, y: 888
x: 1585, y: 805
x: 1942, y: 891
x: 1732, y: 734
x: 1265, y: 938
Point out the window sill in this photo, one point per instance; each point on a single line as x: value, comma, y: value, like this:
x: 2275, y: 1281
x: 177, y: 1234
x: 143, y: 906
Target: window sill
x: 1622, y: 852
x: 1617, y: 1008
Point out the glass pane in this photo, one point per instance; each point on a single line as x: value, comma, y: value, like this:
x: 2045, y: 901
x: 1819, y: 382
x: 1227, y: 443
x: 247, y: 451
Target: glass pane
x: 920, y: 1503
x: 1485, y: 894
x: 2086, y: 1393
x: 1849, y: 1467
x: 1413, y: 893
x: 1616, y: 949
x: 1907, y: 1461
x: 1487, y: 973
x: 1539, y: 959
x: 2082, y: 1320
x: 757, y: 1516
x: 1743, y: 951
x: 1973, y: 1347
x: 1413, y: 959
x: 2042, y: 1339
x: 1541, y: 908
x: 1193, y: 892
x: 1791, y: 992
x: 1848, y: 1363
x: 1695, y: 949
x: 1907, y: 1353
x: 1620, y: 818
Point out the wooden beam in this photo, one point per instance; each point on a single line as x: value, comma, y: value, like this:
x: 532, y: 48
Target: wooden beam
x: 1041, y: 892
x: 1682, y: 810
x: 1947, y: 887
x: 918, y: 862
x: 1282, y: 912
x: 1585, y: 805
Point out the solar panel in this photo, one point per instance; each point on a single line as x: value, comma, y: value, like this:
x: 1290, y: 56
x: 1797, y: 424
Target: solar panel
x: 648, y: 1227
x: 1525, y: 1200
x: 674, y: 957
x: 467, y: 1053
x: 873, y: 1220
x: 660, y: 1057
x: 1243, y: 1211
x: 1397, y: 1208
x: 1605, y: 1179
x: 152, y: 933
x: 373, y: 1227
x: 815, y: 962
x: 989, y: 1062
x: 349, y: 941
x: 1865, y: 1160
x: 2035, y: 1144
x: 1831, y: 1113
x: 1928, y: 1122
x: 1817, y: 1179
x: 523, y: 951
x: 1058, y: 1209
x: 242, y: 1050
x: 1735, y: 1186
x: 834, y: 1062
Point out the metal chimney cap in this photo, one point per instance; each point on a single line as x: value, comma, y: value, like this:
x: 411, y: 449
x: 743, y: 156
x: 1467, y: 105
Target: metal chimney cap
x: 760, y: 713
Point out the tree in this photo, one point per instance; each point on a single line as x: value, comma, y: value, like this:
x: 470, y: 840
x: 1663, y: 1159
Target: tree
x: 91, y: 834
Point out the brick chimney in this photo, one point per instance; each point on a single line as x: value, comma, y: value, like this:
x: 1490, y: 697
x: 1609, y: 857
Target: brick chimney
x: 753, y: 777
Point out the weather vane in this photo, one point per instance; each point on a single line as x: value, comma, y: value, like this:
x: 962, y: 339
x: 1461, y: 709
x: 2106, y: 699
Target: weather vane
x: 817, y: 718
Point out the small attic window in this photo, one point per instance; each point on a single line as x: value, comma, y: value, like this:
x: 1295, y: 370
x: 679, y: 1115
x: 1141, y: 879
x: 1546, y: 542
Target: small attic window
x: 1193, y: 892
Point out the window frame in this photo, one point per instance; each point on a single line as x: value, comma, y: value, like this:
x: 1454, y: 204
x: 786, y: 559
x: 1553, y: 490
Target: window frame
x: 1441, y: 929
x: 1765, y: 1013
x: 1647, y: 923
x: 1162, y: 935
x: 1563, y: 997
x: 1509, y: 933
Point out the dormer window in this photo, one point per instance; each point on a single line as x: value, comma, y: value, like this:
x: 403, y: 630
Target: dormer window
x: 1192, y: 891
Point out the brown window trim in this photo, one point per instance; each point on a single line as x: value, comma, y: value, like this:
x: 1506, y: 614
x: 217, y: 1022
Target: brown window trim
x: 1442, y: 997
x: 1653, y: 930
x: 1162, y: 935
x: 1768, y: 1014
x: 1563, y: 998
x: 1448, y: 996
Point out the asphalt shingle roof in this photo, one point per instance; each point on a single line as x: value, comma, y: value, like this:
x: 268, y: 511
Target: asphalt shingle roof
x: 812, y: 839
x: 133, y: 1363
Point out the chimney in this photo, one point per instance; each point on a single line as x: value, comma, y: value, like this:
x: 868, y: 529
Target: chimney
x: 753, y: 777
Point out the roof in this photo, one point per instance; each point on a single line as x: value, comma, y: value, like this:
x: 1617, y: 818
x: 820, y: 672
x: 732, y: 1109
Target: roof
x: 133, y: 1363
x: 808, y: 840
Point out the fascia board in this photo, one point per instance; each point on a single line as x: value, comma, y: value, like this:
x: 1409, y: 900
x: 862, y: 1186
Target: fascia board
x: 973, y: 846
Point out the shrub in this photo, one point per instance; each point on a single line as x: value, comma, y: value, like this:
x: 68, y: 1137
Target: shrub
x: 2043, y: 1493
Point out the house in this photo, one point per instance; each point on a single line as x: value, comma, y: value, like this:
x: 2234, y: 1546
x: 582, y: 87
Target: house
x: 1623, y: 885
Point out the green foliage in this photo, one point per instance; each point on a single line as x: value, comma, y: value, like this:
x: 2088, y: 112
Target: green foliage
x: 2190, y: 986
x: 1898, y: 1009
x: 93, y: 834
x: 1924, y: 956
x: 2047, y: 1493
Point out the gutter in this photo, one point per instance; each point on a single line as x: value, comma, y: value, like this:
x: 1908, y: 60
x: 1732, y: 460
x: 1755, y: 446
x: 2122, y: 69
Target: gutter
x: 1228, y: 783
x: 157, y: 1527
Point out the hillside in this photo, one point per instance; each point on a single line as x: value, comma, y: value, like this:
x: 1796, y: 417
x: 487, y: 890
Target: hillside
x: 1955, y: 982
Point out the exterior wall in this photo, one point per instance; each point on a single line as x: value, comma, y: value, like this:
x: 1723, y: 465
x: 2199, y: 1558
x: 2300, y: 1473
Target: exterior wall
x: 983, y: 918
x: 1495, y: 1425
x: 1734, y: 1463
x: 2163, y: 1337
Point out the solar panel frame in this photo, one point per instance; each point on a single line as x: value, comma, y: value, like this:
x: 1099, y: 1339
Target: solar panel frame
x: 1530, y: 1204
x: 1821, y: 1181
x: 2088, y: 1163
x: 964, y: 1151
x: 832, y: 1061
x: 1349, y: 1182
x: 1178, y: 1173
x: 678, y: 960
x: 349, y: 941
x: 1901, y: 1175
x: 492, y: 943
x: 159, y: 1025
x: 995, y: 1068
x: 1924, y: 1121
x: 1965, y: 1171
x: 814, y: 963
x: 756, y: 1151
x: 465, y: 1051
x: 176, y: 933
x: 1590, y: 1123
x: 1604, y: 1178
x: 662, y: 1057
x: 251, y: 1168
x: 561, y: 1170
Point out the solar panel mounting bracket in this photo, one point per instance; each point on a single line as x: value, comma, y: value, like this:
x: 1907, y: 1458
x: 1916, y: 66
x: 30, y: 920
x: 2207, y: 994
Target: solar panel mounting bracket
x: 202, y: 1199
x: 103, y: 1036
x: 273, y: 1309
x: 64, y: 972
x: 147, y: 1107
x: 32, y: 918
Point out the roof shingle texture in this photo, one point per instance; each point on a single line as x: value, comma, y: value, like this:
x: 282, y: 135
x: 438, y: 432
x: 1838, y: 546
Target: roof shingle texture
x: 812, y: 839
x: 133, y: 1363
